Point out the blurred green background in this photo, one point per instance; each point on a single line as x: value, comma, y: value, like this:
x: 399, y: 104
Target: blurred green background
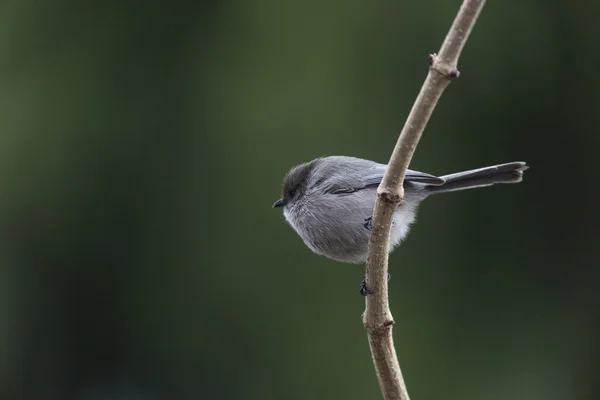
x: 141, y: 148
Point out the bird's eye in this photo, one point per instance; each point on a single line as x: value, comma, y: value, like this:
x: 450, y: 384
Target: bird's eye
x: 292, y: 192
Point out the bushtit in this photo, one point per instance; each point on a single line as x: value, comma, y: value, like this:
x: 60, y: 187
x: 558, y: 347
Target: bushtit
x: 329, y: 201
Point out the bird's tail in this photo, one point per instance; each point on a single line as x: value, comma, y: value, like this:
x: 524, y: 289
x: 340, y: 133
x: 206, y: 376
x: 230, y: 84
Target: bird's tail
x: 481, y: 177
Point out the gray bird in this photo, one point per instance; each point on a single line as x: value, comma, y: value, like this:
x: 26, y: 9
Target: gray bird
x: 329, y: 201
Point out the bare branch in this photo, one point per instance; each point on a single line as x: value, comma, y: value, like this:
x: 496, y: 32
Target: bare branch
x: 377, y: 317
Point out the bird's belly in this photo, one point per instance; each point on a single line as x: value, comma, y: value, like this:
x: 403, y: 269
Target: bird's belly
x: 337, y: 229
x: 403, y: 219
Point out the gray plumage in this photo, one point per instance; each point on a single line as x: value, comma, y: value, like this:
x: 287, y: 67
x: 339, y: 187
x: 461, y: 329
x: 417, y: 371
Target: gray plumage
x: 327, y: 200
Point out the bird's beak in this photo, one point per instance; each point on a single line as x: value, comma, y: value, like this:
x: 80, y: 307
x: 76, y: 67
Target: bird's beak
x: 278, y: 203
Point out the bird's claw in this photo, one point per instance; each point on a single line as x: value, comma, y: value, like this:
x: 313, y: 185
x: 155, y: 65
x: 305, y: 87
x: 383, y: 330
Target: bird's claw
x: 368, y: 224
x: 363, y: 286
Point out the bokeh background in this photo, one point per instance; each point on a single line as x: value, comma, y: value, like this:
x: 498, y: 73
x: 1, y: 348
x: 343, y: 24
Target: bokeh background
x: 141, y: 148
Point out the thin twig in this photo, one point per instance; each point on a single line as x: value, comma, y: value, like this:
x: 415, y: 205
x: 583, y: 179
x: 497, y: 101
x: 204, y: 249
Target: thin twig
x: 377, y: 317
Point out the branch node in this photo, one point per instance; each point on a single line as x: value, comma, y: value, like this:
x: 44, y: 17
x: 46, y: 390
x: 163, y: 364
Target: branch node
x: 389, y: 196
x: 443, y: 68
x: 431, y: 58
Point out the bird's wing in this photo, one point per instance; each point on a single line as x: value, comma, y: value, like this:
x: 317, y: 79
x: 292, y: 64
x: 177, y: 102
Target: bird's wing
x: 422, y: 177
x: 374, y: 176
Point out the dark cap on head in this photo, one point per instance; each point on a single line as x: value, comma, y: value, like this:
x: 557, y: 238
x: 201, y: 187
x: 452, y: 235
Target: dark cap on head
x: 294, y: 183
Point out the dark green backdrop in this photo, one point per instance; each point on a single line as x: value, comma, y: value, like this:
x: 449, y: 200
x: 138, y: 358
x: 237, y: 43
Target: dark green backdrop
x: 141, y: 148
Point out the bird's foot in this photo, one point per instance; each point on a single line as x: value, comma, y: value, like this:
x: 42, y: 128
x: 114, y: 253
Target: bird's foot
x: 368, y: 224
x: 363, y: 287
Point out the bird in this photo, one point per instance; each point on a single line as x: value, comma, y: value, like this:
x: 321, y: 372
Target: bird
x: 329, y: 201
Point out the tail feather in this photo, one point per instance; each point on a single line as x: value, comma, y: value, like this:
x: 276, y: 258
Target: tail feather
x: 481, y: 177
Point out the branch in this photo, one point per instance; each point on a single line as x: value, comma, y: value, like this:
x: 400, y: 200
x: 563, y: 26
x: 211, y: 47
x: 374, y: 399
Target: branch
x: 377, y: 317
